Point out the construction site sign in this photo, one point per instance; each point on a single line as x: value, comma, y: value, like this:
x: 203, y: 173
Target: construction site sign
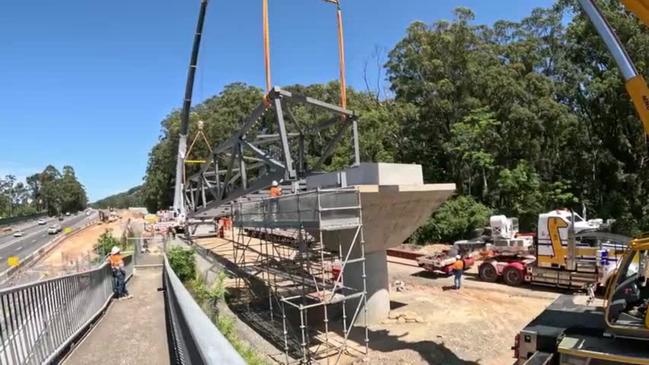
x: 13, y: 261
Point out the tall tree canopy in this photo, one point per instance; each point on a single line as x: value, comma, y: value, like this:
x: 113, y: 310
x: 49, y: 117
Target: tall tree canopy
x: 48, y: 191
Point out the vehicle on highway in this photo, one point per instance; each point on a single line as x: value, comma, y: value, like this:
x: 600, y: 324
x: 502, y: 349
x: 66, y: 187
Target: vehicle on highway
x: 18, y: 233
x: 42, y: 222
x: 60, y: 217
x: 67, y: 214
x: 54, y: 229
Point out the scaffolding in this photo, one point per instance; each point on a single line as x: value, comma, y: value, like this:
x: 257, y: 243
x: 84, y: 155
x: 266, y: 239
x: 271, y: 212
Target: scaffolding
x: 292, y: 253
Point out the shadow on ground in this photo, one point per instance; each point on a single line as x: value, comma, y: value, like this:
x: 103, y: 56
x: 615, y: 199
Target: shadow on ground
x: 431, y: 352
x: 396, y: 305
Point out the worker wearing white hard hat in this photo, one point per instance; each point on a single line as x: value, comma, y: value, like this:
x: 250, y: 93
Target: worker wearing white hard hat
x: 119, y: 273
x: 275, y: 190
x: 458, y: 270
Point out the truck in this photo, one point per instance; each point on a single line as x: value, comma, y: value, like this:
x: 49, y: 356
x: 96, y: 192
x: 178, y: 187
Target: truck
x: 568, y: 252
x: 573, y: 331
x: 502, y: 235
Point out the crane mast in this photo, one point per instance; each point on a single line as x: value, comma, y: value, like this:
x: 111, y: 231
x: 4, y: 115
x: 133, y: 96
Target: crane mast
x: 179, y: 201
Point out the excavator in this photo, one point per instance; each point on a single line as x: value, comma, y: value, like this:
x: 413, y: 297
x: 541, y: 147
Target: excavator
x: 570, y: 333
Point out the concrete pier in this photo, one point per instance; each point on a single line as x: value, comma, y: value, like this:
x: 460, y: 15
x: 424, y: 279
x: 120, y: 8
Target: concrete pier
x: 377, y: 283
x: 395, y: 202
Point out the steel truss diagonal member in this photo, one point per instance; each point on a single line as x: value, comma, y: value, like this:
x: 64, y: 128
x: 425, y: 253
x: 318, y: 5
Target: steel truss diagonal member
x: 270, y: 145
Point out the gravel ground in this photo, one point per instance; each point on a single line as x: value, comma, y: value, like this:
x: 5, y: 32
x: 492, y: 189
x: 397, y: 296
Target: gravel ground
x: 475, y: 325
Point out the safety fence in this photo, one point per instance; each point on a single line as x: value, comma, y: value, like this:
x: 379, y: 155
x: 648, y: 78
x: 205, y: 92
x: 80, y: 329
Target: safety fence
x: 192, y: 337
x: 39, y: 321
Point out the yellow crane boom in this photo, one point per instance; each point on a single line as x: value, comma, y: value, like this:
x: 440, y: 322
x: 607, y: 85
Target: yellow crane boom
x: 635, y: 84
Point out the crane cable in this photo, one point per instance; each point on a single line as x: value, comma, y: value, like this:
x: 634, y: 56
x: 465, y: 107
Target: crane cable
x: 341, y: 56
x: 266, y: 38
x: 341, y: 51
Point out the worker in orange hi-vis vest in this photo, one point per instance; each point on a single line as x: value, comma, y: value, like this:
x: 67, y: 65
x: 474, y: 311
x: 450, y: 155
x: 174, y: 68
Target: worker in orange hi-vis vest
x: 275, y: 190
x: 458, y: 270
x: 116, y: 263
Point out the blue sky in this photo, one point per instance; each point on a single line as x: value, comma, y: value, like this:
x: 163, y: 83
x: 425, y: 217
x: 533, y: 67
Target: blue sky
x: 87, y: 83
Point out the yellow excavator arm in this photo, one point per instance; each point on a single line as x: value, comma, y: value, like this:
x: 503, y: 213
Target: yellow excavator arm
x: 640, y: 8
x: 635, y: 84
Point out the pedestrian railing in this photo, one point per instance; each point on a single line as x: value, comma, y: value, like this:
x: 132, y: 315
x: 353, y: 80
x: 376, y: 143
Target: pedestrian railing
x: 192, y: 337
x: 38, y: 321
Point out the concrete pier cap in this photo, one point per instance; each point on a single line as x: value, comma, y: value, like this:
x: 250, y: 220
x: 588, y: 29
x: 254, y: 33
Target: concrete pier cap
x: 395, y: 202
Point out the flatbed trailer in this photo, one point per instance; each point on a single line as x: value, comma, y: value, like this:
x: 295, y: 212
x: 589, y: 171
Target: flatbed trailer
x: 439, y: 262
x: 516, y: 270
x: 595, y: 262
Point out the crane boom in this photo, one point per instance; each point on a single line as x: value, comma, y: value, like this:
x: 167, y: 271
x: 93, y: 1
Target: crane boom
x: 635, y: 84
x: 179, y: 201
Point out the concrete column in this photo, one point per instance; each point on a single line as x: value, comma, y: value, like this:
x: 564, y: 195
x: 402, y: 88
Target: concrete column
x: 377, y: 282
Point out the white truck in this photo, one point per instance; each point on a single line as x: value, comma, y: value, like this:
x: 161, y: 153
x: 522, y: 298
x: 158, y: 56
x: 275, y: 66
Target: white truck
x: 568, y: 252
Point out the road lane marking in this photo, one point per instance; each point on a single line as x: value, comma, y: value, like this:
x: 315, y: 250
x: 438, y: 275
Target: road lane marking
x: 19, y: 248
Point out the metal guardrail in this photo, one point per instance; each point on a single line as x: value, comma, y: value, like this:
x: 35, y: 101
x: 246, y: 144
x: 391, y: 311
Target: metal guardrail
x: 39, y: 320
x: 192, y: 337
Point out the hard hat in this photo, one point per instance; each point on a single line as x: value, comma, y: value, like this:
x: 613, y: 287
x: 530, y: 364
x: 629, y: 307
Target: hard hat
x: 457, y: 257
x: 115, y: 250
x: 275, y: 183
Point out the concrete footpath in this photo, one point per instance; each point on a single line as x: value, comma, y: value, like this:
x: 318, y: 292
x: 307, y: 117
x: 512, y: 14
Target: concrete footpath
x: 131, y: 331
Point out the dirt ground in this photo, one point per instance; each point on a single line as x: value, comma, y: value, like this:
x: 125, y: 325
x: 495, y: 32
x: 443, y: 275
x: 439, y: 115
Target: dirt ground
x: 76, y: 253
x: 475, y: 325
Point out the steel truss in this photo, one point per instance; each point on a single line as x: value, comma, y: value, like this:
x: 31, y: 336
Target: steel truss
x: 262, y: 151
x: 293, y: 288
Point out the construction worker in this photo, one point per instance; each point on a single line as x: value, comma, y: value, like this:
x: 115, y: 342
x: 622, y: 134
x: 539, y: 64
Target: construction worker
x: 275, y: 190
x: 458, y: 270
x: 119, y: 273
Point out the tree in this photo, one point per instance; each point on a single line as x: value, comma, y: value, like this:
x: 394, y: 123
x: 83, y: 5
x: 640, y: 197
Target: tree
x: 50, y: 190
x: 47, y: 190
x: 519, y: 193
x: 131, y: 198
x: 455, y: 219
x: 472, y: 147
x: 73, y: 195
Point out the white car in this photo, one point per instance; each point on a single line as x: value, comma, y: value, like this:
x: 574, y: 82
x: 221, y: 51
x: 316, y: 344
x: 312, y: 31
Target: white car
x: 42, y: 222
x: 54, y: 229
x: 18, y: 233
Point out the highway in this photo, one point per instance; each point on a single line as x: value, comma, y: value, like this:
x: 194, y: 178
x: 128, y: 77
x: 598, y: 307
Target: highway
x: 34, y: 238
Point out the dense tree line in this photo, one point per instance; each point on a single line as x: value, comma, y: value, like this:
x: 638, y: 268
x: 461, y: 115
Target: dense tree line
x: 48, y: 191
x: 523, y: 116
x: 130, y: 198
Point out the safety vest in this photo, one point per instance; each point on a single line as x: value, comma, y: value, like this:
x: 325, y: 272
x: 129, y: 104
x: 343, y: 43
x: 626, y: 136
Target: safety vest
x: 275, y: 191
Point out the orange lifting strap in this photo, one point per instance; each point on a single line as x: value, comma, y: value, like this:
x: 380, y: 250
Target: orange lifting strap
x: 341, y: 56
x: 266, y: 36
x: 341, y: 50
